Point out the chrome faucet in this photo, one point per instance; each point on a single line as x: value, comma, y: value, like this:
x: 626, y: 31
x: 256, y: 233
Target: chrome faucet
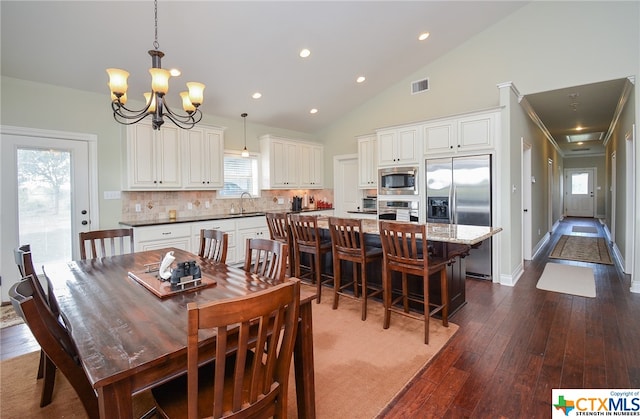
x: 242, y: 201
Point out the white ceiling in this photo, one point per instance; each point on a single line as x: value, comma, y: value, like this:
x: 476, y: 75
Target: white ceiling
x: 237, y: 48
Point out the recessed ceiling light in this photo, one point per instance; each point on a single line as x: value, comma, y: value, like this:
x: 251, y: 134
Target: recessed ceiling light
x: 313, y: 111
x: 423, y: 36
x: 175, y: 72
x: 360, y: 79
x: 256, y: 95
x: 305, y: 53
x: 578, y: 128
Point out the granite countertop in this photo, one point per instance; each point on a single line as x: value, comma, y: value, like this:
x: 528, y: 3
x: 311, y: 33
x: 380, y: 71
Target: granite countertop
x: 179, y: 220
x: 449, y: 233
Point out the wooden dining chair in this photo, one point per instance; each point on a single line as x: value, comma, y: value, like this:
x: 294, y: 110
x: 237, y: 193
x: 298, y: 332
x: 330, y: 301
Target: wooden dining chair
x: 213, y: 245
x: 54, y: 339
x: 278, y: 223
x: 347, y: 240
x: 267, y: 258
x: 46, y: 368
x: 105, y: 243
x: 242, y: 384
x: 405, y: 250
x: 308, y: 240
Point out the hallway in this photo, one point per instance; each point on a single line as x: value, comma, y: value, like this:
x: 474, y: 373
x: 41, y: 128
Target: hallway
x: 516, y: 344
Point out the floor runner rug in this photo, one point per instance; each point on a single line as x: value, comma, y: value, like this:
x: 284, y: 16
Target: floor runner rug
x: 582, y: 249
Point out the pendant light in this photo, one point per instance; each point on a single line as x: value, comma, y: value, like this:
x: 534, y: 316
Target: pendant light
x: 245, y: 152
x: 155, y: 102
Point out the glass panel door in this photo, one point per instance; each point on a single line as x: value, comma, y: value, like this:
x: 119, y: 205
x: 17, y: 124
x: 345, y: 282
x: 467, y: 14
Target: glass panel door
x: 44, y: 204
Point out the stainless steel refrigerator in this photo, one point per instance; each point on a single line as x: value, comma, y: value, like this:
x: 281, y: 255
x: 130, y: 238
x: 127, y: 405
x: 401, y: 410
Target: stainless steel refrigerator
x: 459, y: 192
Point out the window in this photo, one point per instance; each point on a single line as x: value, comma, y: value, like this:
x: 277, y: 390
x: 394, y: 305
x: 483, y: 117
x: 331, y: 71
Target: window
x: 580, y: 183
x: 240, y: 175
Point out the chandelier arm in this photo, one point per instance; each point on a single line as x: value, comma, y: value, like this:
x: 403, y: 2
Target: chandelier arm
x: 120, y: 120
x: 117, y: 107
x: 181, y: 117
x: 185, y: 123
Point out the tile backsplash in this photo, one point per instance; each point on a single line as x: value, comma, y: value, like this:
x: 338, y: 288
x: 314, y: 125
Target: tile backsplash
x: 155, y: 205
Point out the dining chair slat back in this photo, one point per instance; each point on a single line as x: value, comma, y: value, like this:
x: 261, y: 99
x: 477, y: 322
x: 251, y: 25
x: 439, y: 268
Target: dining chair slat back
x: 255, y: 336
x: 213, y: 245
x: 105, y: 243
x: 267, y: 258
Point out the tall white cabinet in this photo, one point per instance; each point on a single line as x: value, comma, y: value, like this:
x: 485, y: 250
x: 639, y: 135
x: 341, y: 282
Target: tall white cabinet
x: 367, y: 162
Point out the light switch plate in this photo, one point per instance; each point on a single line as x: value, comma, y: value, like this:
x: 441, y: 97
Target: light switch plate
x: 112, y: 195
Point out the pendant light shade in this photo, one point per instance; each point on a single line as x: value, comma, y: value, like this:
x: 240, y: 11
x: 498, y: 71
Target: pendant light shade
x: 245, y: 152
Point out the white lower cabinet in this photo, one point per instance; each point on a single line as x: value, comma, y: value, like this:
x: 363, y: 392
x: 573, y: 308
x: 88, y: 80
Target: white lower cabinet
x: 228, y: 226
x: 160, y: 236
x: 186, y: 236
x: 250, y: 228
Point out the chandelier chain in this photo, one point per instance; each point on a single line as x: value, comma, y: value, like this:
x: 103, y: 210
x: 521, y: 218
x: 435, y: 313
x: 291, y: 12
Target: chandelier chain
x: 155, y: 9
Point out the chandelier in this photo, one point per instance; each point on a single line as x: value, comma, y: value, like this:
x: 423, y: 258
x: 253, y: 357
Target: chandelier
x: 155, y: 103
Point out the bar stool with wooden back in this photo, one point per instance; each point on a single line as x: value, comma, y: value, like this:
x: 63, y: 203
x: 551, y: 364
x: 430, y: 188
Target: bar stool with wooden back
x: 278, y: 224
x: 104, y: 243
x: 213, y: 245
x: 348, y: 244
x: 307, y: 239
x: 405, y: 250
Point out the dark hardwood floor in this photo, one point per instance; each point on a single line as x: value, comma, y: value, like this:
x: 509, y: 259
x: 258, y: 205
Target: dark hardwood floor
x: 514, y: 345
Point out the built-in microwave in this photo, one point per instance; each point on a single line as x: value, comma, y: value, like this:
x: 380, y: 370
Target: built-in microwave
x: 398, y: 181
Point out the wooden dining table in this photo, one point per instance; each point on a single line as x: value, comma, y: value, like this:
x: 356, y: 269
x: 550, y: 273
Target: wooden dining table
x: 130, y: 340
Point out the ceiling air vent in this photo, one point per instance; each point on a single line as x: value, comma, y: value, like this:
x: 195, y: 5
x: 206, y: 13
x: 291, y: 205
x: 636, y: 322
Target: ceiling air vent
x: 419, y: 86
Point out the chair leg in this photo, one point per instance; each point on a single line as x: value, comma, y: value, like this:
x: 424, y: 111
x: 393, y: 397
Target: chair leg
x: 444, y: 295
x: 354, y: 275
x: 405, y: 293
x: 386, y: 296
x: 41, y: 365
x: 337, y: 275
x: 363, y: 281
x: 49, y: 381
x: 317, y: 274
x: 426, y: 310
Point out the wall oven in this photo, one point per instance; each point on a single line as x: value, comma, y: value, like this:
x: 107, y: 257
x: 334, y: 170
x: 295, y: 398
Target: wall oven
x: 398, y: 181
x: 399, y: 210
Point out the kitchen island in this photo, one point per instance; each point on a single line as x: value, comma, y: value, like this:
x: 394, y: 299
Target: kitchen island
x: 448, y: 241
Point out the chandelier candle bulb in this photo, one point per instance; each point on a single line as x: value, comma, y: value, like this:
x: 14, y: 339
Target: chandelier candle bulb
x: 159, y: 80
x: 117, y: 81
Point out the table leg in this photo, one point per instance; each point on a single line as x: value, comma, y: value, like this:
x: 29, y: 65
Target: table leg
x: 115, y: 401
x: 304, y: 366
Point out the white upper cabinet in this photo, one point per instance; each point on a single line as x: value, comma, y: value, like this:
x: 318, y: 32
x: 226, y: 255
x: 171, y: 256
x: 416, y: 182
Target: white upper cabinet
x: 203, y: 163
x: 173, y: 158
x: 311, y: 166
x: 152, y: 157
x: 288, y: 164
x: 368, y: 162
x: 463, y: 134
x: 398, y: 146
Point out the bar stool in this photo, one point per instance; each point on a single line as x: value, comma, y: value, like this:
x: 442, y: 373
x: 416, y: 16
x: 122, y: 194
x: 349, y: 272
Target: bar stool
x: 279, y: 230
x: 402, y: 245
x: 307, y: 239
x: 348, y: 244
